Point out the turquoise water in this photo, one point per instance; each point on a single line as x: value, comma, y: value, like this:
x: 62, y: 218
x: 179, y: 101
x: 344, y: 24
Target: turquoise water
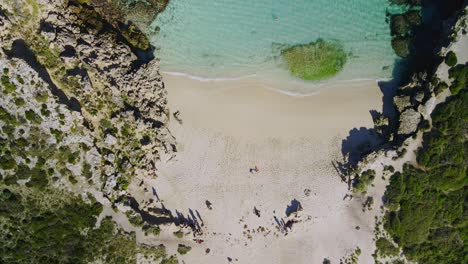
x: 235, y: 38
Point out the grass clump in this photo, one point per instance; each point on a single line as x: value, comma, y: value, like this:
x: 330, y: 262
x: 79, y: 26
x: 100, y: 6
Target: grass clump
x: 316, y: 60
x: 183, y: 249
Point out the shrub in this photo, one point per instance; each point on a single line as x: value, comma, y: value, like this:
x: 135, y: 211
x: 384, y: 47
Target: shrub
x: 386, y: 248
x: 41, y: 97
x: 179, y: 234
x: 20, y: 79
x: 440, y: 88
x: 451, y: 59
x: 459, y: 74
x: 19, y: 102
x: 7, y: 162
x: 170, y: 260
x: 122, y: 183
x: 362, y: 182
x: 154, y: 230
x: 183, y: 249
x: 9, y: 87
x: 33, y: 117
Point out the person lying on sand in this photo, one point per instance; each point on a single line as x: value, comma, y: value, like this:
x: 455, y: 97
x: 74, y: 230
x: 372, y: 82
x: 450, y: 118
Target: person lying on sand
x: 254, y: 170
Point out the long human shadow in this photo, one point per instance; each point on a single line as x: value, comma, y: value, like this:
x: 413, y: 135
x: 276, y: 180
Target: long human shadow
x: 155, y: 216
x: 428, y: 39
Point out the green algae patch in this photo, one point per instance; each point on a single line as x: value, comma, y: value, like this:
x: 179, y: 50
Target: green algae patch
x: 316, y: 60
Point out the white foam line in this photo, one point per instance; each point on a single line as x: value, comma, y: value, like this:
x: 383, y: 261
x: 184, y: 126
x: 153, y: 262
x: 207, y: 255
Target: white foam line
x: 205, y: 79
x: 277, y: 90
x: 291, y: 93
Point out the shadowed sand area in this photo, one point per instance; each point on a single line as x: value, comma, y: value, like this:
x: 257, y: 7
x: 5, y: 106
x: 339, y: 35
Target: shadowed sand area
x: 231, y: 126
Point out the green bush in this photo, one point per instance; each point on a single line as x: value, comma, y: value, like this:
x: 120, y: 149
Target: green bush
x: 7, y: 118
x: 7, y: 162
x: 170, y: 260
x: 363, y: 181
x: 9, y: 87
x: 33, y: 117
x: 179, y: 234
x: 183, y: 249
x: 440, y: 88
x: 20, y: 79
x: 316, y: 60
x: 154, y: 230
x: 459, y: 74
x: 19, y: 102
x: 451, y: 59
x: 385, y: 248
x: 41, y: 97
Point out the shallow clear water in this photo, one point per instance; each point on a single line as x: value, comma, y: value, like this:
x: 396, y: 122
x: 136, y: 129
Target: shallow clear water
x: 233, y: 38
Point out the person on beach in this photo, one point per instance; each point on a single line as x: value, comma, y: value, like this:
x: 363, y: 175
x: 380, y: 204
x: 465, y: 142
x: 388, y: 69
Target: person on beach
x: 254, y: 170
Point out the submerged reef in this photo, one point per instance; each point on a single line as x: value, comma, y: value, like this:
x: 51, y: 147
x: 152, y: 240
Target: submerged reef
x: 316, y: 60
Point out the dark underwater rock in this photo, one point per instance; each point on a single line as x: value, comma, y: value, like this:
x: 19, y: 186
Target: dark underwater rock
x: 401, y: 46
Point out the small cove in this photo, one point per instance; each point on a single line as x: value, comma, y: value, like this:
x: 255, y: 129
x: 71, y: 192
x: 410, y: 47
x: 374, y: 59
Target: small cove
x: 230, y: 40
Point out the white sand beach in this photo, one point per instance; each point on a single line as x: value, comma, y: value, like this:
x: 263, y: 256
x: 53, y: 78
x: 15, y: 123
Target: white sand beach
x: 231, y: 126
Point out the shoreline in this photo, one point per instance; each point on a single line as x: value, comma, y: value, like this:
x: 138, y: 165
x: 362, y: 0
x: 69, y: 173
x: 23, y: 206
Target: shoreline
x: 256, y: 80
x: 228, y: 127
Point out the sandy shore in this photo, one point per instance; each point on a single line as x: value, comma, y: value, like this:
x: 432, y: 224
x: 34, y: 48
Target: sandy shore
x: 229, y: 127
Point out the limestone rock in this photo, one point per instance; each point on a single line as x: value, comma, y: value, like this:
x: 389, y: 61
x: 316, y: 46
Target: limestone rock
x: 402, y: 102
x: 409, y: 121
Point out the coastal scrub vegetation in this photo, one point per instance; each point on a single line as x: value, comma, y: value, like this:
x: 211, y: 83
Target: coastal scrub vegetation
x: 316, y: 60
x: 47, y: 226
x: 183, y: 249
x: 361, y: 182
x: 427, y: 202
x: 386, y: 248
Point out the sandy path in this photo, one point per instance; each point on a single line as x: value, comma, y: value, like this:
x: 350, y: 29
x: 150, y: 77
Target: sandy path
x: 228, y: 127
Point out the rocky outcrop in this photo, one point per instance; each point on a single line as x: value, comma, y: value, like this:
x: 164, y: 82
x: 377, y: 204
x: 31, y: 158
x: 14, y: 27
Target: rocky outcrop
x: 402, y: 102
x: 409, y: 121
x: 92, y: 87
x: 122, y: 96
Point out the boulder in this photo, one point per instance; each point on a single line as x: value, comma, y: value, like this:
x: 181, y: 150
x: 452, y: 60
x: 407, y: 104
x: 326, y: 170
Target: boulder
x: 419, y: 97
x: 401, y: 46
x: 402, y: 102
x: 409, y: 121
x: 399, y: 26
